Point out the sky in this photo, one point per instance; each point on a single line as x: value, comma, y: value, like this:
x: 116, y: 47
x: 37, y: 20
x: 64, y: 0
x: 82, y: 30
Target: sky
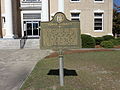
x: 117, y: 2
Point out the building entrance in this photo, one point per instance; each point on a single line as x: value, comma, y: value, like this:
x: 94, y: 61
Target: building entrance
x: 32, y: 29
x: 30, y: 23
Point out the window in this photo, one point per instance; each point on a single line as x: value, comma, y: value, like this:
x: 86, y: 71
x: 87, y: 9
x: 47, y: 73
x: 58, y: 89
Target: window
x: 75, y: 16
x: 31, y: 0
x: 3, y: 22
x: 31, y: 16
x: 75, y: 0
x: 98, y: 21
x: 98, y: 1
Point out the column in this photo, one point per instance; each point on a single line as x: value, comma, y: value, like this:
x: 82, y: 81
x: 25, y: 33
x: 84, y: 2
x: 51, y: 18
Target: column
x: 44, y: 14
x: 0, y: 22
x: 8, y: 17
x: 60, y: 5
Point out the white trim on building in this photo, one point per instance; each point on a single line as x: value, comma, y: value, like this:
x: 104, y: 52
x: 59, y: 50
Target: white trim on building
x: 27, y: 20
x: 61, y: 6
x: 9, y: 19
x: 99, y: 11
x: 98, y: 21
x: 45, y: 14
x: 75, y: 11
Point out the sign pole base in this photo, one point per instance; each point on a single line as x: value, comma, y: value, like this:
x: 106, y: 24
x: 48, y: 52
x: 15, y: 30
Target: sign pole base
x: 61, y: 68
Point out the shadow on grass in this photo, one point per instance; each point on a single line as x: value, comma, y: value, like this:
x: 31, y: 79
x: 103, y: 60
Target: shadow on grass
x: 66, y: 72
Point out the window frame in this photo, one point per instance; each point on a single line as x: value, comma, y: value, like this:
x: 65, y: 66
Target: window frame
x: 75, y: 11
x: 3, y: 21
x: 99, y: 1
x: 99, y: 17
x: 75, y: 1
x: 31, y: 1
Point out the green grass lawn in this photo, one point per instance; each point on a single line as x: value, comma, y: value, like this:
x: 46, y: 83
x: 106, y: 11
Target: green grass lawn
x: 95, y: 71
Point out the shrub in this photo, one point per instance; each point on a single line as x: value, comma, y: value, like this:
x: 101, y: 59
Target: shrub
x: 118, y: 39
x: 115, y: 42
x: 108, y: 37
x: 87, y: 41
x: 98, y: 40
x: 107, y: 44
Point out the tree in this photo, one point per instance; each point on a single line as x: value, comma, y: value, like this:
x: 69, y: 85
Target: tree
x: 116, y: 20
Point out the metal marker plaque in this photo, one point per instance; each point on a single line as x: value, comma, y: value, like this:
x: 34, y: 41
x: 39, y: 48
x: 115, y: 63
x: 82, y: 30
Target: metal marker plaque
x: 60, y: 33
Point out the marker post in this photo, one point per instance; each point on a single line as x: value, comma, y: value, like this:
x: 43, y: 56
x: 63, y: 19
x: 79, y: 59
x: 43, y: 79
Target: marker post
x: 61, y: 68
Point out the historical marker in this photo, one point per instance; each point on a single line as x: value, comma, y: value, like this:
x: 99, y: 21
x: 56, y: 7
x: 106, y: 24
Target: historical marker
x: 60, y: 34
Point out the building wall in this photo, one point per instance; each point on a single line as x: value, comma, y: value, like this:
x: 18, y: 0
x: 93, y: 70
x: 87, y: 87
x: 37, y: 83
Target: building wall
x: 16, y: 18
x: 53, y: 7
x: 2, y: 7
x: 33, y: 9
x: 87, y: 9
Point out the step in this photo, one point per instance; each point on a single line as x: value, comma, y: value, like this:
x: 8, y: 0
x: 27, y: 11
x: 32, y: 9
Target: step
x: 9, y: 43
x: 15, y: 44
x: 32, y: 44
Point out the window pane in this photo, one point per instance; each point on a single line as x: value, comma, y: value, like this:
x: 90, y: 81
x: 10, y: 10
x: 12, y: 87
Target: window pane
x: 75, y: 0
x: 29, y: 28
x: 75, y: 14
x: 35, y: 28
x: 98, y: 14
x: 98, y: 23
x: 97, y: 20
x: 97, y: 28
x: 32, y: 16
x: 76, y: 19
x: 31, y: 0
x: 98, y: 0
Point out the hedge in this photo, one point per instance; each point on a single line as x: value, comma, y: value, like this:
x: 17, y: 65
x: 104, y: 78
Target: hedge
x: 115, y: 42
x: 108, y: 37
x: 107, y: 44
x: 87, y: 41
x: 118, y: 40
x: 98, y: 40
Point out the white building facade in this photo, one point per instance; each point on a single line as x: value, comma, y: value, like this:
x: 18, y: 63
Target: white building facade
x: 22, y: 17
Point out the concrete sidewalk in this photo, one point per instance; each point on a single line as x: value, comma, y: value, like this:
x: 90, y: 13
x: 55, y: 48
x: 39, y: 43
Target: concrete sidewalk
x: 16, y: 64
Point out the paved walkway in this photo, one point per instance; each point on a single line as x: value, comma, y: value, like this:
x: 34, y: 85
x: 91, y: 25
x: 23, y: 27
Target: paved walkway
x: 15, y: 66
